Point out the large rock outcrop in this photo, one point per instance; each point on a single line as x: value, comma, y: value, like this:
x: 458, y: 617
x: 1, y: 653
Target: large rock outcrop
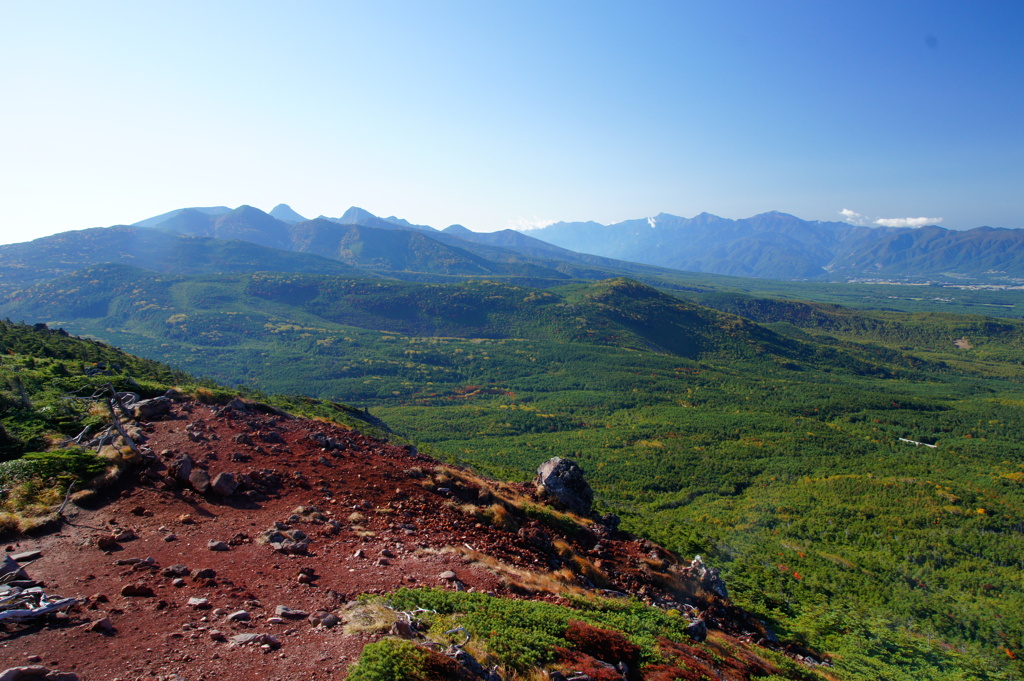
x: 562, y: 480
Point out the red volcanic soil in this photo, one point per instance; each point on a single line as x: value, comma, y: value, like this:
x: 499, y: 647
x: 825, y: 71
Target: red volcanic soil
x: 376, y: 517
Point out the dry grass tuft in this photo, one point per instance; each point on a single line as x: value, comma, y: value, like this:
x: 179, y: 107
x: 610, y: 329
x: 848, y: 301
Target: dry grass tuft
x: 559, y: 583
x: 10, y: 524
x: 499, y: 516
x: 472, y: 511
x: 372, y: 617
x: 584, y: 566
x: 563, y: 549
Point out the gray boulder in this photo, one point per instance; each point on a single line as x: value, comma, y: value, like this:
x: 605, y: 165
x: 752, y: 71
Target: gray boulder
x: 224, y: 484
x: 562, y: 480
x: 181, y: 467
x: 154, y: 409
x: 200, y: 480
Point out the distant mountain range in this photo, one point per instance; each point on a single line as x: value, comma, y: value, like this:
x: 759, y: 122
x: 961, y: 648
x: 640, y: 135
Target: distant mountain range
x: 780, y: 246
x: 390, y: 246
x: 771, y: 245
x: 654, y: 250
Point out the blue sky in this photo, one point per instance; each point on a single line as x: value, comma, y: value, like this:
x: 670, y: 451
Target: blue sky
x: 498, y: 115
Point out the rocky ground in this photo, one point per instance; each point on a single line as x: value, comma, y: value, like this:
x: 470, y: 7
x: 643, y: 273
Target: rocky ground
x: 234, y: 550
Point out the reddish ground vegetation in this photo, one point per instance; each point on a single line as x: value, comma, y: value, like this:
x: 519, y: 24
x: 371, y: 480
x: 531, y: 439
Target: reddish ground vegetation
x: 573, y: 662
x: 697, y: 662
x: 604, y: 644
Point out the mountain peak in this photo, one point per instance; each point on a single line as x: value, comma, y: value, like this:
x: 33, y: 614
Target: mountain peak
x: 355, y: 216
x: 163, y: 217
x: 776, y: 214
x: 284, y: 213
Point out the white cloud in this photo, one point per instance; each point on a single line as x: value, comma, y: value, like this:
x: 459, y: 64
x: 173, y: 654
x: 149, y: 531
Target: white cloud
x: 907, y: 222
x: 855, y: 218
x: 522, y: 224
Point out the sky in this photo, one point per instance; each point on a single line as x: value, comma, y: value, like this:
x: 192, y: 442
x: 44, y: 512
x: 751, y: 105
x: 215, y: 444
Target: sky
x: 512, y: 114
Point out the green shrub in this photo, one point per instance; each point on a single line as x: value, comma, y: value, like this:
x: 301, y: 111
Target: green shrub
x: 389, y: 660
x: 63, y: 464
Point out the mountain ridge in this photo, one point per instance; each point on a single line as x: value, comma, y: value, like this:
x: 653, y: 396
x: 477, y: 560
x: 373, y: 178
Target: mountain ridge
x: 777, y: 245
x: 769, y: 245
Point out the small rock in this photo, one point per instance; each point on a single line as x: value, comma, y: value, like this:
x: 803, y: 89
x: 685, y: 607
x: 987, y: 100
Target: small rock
x: 186, y: 519
x: 199, y: 603
x: 26, y: 556
x: 137, y: 591
x: 239, y: 539
x: 324, y: 619
x: 215, y: 545
x: 268, y: 640
x: 447, y: 576
x: 205, y: 573
x: 382, y: 562
x: 101, y: 626
x: 169, y: 537
x: 289, y: 547
x: 36, y: 672
x: 216, y: 635
x: 106, y: 542
x: 243, y: 639
x: 291, y: 613
x: 240, y: 616
x: 178, y: 582
x: 175, y: 571
x: 125, y: 536
x: 359, y: 554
